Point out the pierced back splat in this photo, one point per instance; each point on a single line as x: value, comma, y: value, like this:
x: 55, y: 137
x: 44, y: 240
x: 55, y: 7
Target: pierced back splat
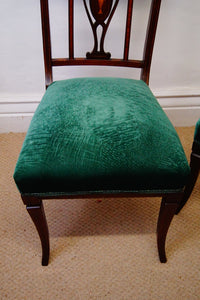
x: 101, y: 11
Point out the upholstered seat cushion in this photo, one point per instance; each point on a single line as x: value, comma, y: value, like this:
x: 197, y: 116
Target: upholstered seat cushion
x: 100, y: 134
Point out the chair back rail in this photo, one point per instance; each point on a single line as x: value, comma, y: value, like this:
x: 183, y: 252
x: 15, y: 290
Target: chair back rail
x: 102, y: 12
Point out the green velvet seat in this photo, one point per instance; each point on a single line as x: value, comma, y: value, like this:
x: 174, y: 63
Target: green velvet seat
x: 100, y: 135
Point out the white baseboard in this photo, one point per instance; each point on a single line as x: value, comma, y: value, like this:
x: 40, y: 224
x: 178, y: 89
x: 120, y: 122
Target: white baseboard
x: 181, y: 106
x: 16, y: 111
x: 14, y: 122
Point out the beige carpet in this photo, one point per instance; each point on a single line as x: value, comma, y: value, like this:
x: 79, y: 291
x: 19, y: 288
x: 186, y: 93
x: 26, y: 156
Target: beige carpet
x: 99, y: 250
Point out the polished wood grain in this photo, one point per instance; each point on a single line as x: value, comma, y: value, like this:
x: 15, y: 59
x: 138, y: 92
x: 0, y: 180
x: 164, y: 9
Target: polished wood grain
x: 128, y: 29
x: 71, y: 29
x: 46, y: 41
x: 150, y: 39
x: 98, y: 62
x: 37, y: 214
x: 168, y: 208
x: 102, y: 12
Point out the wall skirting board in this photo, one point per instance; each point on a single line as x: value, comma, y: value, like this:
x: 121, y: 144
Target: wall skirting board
x: 181, y: 106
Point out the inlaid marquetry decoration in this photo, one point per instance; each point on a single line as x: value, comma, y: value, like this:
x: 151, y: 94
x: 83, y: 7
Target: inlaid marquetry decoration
x: 100, y: 13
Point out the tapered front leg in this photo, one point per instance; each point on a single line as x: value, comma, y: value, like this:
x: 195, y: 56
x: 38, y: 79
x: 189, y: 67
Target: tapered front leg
x: 38, y: 216
x: 168, y: 208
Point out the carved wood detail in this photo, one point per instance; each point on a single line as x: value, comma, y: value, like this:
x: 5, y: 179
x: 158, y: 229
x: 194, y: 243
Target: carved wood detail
x: 102, y: 11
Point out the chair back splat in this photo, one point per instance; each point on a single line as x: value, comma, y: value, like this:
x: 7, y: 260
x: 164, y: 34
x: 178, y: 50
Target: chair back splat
x: 103, y: 136
x: 100, y: 13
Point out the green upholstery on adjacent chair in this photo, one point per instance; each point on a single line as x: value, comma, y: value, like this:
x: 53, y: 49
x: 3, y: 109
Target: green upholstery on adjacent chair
x: 194, y: 167
x: 100, y: 135
x: 197, y: 132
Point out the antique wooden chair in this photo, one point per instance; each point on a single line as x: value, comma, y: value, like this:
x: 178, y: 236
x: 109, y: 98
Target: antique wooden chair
x: 102, y: 136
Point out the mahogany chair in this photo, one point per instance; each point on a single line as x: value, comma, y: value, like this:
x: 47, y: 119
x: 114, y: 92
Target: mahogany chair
x: 103, y: 137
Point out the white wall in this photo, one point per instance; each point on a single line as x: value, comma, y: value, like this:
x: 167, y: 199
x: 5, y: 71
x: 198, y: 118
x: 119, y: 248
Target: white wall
x: 175, y: 73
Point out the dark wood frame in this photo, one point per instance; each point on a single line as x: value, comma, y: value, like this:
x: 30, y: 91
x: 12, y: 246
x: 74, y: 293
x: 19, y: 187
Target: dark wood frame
x: 172, y: 202
x: 169, y: 205
x: 143, y: 64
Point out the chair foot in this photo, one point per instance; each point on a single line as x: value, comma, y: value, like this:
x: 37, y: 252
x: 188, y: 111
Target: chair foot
x: 37, y: 215
x: 167, y: 210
